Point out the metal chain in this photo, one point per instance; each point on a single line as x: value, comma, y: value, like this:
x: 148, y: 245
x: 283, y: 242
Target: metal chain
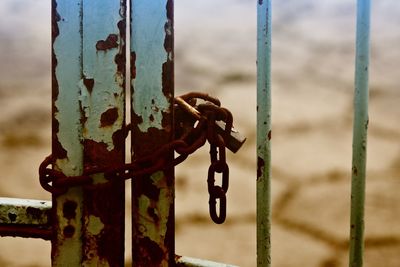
x: 195, y: 125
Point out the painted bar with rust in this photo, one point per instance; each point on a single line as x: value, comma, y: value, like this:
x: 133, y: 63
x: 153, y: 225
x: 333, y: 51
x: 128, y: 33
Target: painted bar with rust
x: 152, y: 74
x: 25, y: 218
x: 264, y: 133
x: 360, y: 130
x: 88, y: 79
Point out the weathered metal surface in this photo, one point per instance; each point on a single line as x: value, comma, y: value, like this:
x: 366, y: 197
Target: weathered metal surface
x: 152, y: 121
x: 25, y: 218
x: 66, y: 139
x: 88, y: 117
x: 103, y: 104
x: 360, y: 128
x: 182, y: 261
x: 264, y: 133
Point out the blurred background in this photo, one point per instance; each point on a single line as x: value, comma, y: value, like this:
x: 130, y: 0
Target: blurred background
x: 215, y: 52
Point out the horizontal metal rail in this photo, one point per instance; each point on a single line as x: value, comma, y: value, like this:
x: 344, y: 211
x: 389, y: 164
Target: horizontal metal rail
x: 31, y: 218
x: 25, y: 218
x: 182, y: 261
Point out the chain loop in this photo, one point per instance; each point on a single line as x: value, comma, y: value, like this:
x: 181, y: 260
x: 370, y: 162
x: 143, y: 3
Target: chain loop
x: 217, y: 193
x: 196, y: 125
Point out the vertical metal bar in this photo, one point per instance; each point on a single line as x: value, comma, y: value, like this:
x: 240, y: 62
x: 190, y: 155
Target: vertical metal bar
x: 88, y: 117
x: 264, y: 133
x: 103, y: 117
x: 152, y: 71
x: 360, y: 128
x: 67, y: 130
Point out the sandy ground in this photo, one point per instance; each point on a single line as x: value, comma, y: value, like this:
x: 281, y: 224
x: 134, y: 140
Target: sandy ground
x: 313, y: 68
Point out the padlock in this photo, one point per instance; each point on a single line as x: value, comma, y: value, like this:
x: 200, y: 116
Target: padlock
x: 234, y: 141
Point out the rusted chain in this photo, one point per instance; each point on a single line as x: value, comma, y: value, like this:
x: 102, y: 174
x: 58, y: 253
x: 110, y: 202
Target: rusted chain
x: 195, y: 125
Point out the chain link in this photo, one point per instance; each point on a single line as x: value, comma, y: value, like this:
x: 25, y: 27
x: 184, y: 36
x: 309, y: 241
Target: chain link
x: 195, y: 124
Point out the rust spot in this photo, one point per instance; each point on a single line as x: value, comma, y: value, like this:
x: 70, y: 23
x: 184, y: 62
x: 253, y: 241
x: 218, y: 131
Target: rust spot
x: 97, y: 154
x: 151, y: 117
x: 89, y: 83
x: 260, y: 167
x: 68, y: 231
x: 355, y: 171
x: 168, y: 41
x: 34, y: 212
x: 12, y: 216
x: 133, y: 65
x: 269, y: 135
x: 106, y: 202
x: 109, y: 117
x: 168, y: 79
x: 109, y: 43
x: 169, y: 28
x: 69, y: 209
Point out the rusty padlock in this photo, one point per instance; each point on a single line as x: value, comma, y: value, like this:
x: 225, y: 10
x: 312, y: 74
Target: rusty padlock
x: 234, y: 141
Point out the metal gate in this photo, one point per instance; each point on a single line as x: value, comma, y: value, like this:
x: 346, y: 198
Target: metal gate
x: 85, y: 220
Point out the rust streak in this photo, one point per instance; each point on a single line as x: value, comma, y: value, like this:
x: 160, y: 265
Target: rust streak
x: 133, y: 65
x: 89, y: 83
x: 260, y: 167
x: 120, y: 57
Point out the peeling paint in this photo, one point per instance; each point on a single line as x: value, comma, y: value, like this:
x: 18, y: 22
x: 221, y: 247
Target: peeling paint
x: 95, y: 225
x: 109, y: 43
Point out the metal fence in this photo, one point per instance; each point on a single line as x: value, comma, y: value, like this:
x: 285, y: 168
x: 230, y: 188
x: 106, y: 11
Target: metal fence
x: 85, y: 219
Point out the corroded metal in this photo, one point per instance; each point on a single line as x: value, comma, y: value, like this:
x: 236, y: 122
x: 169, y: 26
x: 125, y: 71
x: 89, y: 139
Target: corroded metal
x: 360, y: 128
x: 264, y: 133
x: 152, y: 126
x: 88, y: 116
x: 25, y: 218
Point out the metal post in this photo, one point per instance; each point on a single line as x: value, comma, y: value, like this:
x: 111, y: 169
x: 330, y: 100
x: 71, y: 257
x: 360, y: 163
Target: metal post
x: 360, y: 134
x: 264, y: 133
x: 152, y: 72
x: 88, y: 74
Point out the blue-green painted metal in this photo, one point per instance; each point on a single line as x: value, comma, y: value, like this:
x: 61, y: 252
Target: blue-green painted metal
x: 264, y: 133
x: 152, y: 126
x: 360, y: 128
x: 67, y: 131
x: 88, y: 116
x: 149, y: 28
